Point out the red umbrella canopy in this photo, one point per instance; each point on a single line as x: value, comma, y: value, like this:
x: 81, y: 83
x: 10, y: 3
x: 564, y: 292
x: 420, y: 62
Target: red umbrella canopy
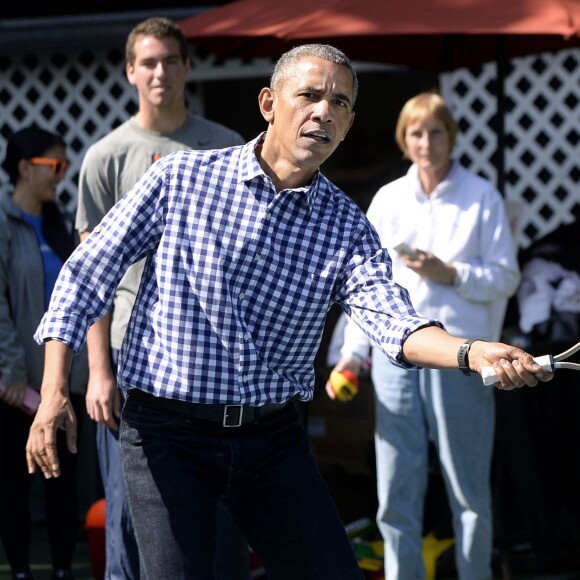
x: 427, y: 34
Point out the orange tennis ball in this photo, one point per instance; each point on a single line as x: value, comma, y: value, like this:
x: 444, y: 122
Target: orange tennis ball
x: 343, y: 385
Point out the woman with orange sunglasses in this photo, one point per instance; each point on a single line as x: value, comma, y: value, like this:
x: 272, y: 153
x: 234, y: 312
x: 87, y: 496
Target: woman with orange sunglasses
x: 35, y: 240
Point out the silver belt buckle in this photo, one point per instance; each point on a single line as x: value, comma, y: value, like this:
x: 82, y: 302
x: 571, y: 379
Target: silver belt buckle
x: 226, y: 422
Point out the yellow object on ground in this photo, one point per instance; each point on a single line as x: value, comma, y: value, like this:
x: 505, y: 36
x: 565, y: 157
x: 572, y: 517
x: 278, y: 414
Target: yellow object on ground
x: 433, y: 547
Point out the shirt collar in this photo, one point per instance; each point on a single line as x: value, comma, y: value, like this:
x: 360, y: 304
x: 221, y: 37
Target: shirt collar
x: 249, y: 166
x: 441, y: 188
x: 250, y: 169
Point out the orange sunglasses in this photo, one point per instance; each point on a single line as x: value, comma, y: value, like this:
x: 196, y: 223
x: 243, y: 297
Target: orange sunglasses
x: 58, y: 166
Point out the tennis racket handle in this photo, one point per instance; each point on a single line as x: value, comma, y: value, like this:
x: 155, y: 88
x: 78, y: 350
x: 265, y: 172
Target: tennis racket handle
x: 490, y: 378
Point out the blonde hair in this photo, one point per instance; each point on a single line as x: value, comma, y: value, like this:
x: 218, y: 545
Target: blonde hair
x: 419, y: 108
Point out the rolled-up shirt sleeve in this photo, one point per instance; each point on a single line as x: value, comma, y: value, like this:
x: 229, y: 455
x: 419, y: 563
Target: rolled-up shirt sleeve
x: 380, y: 308
x: 85, y: 287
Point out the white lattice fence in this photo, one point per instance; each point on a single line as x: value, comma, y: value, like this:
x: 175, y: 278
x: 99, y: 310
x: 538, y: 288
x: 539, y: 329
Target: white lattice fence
x: 542, y: 128
x: 81, y: 95
x: 84, y: 94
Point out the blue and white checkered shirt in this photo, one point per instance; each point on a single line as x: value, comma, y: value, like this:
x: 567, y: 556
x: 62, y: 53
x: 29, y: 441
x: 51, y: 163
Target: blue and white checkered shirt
x: 238, y: 280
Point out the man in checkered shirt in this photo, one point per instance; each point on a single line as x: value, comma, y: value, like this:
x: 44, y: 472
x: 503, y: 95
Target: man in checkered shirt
x: 247, y: 248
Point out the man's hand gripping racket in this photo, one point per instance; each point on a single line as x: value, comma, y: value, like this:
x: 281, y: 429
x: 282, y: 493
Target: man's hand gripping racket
x: 547, y: 362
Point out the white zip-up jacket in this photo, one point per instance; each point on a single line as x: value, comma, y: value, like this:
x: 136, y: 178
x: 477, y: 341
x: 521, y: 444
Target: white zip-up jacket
x: 464, y: 222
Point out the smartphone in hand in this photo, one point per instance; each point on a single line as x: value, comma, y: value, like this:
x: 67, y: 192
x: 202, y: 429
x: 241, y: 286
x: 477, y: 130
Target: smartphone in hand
x: 405, y: 250
x: 31, y: 399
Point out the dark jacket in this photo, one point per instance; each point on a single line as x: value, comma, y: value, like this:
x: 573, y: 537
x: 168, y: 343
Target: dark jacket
x: 22, y: 293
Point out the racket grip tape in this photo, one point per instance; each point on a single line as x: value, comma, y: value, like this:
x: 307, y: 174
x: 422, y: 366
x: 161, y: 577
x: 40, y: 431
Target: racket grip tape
x: 490, y: 378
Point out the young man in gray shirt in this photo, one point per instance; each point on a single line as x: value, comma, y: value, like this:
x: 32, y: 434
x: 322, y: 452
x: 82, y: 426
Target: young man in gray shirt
x: 157, y: 64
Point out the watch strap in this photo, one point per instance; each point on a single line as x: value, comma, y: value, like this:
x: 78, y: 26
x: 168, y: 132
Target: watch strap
x: 463, y: 356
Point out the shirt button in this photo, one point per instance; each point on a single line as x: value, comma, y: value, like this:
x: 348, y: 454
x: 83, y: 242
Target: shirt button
x: 268, y: 216
x: 258, y: 257
x: 246, y: 337
x: 245, y: 378
x: 242, y: 296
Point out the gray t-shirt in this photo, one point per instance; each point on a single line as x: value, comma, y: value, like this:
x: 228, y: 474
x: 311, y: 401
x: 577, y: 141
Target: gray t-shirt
x: 112, y: 165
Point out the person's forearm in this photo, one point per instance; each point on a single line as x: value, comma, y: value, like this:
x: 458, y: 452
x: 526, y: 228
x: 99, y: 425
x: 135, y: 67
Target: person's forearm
x: 102, y: 398
x: 432, y: 347
x: 99, y: 346
x: 99, y: 340
x: 54, y: 414
x: 57, y: 363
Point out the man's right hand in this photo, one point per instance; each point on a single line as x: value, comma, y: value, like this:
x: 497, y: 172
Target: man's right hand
x: 55, y: 412
x: 102, y: 400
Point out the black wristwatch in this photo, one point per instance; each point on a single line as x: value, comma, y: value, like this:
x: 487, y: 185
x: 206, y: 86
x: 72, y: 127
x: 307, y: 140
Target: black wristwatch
x: 463, y: 356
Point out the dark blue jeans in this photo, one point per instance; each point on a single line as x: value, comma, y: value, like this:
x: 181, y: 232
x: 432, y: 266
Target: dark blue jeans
x: 122, y: 561
x: 177, y: 469
x: 121, y: 548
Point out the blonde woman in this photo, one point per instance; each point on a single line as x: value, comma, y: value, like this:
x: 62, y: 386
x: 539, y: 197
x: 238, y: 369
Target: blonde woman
x: 448, y: 236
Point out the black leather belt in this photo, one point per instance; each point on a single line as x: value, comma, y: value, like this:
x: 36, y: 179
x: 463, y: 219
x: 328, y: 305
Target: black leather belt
x: 227, y: 415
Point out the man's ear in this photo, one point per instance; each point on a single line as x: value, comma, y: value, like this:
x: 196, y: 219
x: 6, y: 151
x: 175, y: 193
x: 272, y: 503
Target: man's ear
x: 23, y: 169
x: 187, y: 63
x: 129, y: 69
x: 266, y: 101
x: 349, y: 126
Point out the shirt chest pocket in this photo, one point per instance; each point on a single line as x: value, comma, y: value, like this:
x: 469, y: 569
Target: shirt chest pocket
x: 308, y: 287
x: 293, y: 276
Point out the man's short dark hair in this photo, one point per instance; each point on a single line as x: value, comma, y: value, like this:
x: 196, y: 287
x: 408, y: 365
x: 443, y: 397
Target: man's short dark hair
x: 159, y: 27
x: 283, y: 68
